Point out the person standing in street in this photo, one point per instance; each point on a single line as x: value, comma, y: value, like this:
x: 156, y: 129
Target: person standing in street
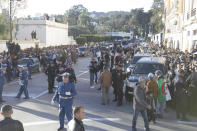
x: 152, y: 94
x: 23, y: 82
x: 92, y: 69
x: 140, y: 105
x: 8, y: 124
x: 51, y: 73
x: 66, y: 91
x: 1, y: 60
x: 71, y: 71
x: 106, y: 82
x: 180, y: 95
x: 76, y: 124
x: 118, y: 77
x: 29, y: 66
x: 192, y: 82
x: 161, y: 100
x: 2, y: 81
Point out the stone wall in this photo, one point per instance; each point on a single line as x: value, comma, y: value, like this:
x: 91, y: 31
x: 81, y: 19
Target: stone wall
x: 23, y: 44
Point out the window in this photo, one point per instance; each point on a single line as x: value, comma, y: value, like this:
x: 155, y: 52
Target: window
x: 195, y: 32
x: 188, y: 33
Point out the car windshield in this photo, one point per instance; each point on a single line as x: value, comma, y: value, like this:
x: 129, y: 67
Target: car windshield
x: 22, y: 61
x: 135, y: 59
x: 144, y: 68
x: 82, y: 49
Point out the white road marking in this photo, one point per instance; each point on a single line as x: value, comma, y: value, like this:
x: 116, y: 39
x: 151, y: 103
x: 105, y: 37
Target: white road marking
x: 43, y: 93
x: 187, y: 122
x: 40, y: 123
x: 82, y: 73
x: 102, y: 119
x: 84, y: 79
x: 55, y: 122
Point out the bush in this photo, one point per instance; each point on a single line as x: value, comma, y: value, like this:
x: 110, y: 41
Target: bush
x: 81, y: 40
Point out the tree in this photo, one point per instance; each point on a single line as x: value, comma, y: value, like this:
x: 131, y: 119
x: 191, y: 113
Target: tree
x: 84, y: 19
x: 72, y: 14
x: 156, y: 22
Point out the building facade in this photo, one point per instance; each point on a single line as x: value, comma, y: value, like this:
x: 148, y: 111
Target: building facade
x: 181, y: 24
x: 49, y: 32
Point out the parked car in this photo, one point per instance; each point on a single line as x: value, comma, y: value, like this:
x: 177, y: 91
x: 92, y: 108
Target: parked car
x: 136, y: 57
x: 35, y: 66
x: 83, y: 51
x: 143, y: 67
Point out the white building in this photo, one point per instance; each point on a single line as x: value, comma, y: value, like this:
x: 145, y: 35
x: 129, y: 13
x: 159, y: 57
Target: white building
x: 181, y: 24
x: 49, y: 32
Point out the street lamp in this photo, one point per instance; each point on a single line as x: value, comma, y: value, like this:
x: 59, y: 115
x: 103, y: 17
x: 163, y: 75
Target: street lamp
x: 10, y: 2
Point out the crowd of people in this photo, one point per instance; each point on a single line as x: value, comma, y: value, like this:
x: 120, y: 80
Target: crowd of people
x: 108, y: 68
x: 179, y: 81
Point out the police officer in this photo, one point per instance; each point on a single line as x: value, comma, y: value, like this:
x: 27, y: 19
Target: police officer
x: 2, y: 81
x: 29, y: 66
x: 51, y: 73
x: 66, y: 91
x: 58, y: 79
x: 118, y: 82
x: 23, y: 82
x: 71, y: 71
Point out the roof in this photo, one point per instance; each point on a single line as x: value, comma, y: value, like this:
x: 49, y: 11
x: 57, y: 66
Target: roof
x: 156, y: 60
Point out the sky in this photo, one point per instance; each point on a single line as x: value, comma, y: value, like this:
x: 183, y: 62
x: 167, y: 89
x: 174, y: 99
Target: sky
x: 60, y: 6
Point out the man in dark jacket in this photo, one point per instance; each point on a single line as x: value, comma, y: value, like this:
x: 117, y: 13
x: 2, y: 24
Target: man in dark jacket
x: 8, y: 124
x: 118, y: 78
x: 51, y: 72
x: 71, y: 71
x: 192, y: 82
x: 93, y: 69
x: 180, y: 95
x: 76, y: 123
x: 140, y: 105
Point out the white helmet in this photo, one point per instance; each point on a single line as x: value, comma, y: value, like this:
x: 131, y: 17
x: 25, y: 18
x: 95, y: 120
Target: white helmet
x: 150, y: 75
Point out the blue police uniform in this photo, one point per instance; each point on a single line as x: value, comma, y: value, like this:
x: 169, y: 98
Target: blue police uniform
x: 65, y: 101
x: 29, y: 66
x: 2, y: 82
x: 59, y: 80
x: 23, y: 82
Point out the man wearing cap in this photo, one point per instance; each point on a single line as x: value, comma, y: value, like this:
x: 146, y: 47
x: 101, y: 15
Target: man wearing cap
x: 2, y: 81
x: 29, y: 66
x: 23, y: 81
x: 8, y: 124
x: 140, y: 105
x: 66, y: 91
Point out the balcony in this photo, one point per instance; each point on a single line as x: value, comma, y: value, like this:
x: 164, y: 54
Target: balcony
x: 193, y: 12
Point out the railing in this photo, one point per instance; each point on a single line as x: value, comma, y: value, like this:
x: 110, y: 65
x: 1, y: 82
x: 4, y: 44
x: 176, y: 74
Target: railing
x: 193, y: 12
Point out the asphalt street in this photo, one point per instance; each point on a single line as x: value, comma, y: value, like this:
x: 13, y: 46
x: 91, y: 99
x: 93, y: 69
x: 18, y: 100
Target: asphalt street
x: 37, y: 114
